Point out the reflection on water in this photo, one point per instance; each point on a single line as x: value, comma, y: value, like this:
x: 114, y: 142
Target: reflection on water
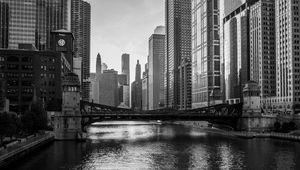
x: 144, y: 145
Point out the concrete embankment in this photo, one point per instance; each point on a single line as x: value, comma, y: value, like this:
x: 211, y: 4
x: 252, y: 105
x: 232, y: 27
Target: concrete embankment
x: 22, y: 147
x: 241, y: 134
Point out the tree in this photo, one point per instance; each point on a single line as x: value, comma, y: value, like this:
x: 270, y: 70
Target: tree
x: 35, y: 119
x: 8, y: 125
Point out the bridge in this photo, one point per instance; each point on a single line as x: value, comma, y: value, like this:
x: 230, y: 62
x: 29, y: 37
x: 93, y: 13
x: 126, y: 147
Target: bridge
x: 219, y: 114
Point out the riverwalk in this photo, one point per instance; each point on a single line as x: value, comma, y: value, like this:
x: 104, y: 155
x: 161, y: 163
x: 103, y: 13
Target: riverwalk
x: 22, y: 147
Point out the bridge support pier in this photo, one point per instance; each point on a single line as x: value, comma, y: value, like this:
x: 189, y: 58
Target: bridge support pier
x: 67, y: 123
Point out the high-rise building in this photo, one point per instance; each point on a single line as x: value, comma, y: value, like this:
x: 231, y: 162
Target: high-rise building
x: 125, y: 66
x: 236, y: 53
x: 156, y: 62
x: 108, y: 88
x: 287, y: 55
x: 98, y: 64
x: 136, y: 89
x: 205, y: 54
x: 31, y: 21
x: 178, y: 51
x: 145, y: 88
x: 123, y: 90
x: 262, y: 47
x: 81, y: 28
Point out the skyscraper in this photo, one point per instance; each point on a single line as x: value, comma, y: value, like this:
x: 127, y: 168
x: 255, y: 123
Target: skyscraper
x: 178, y: 51
x: 287, y: 55
x: 125, y: 66
x: 236, y: 53
x: 136, y: 89
x: 81, y: 28
x: 145, y: 88
x: 262, y: 47
x: 31, y: 21
x: 108, y: 88
x: 205, y: 54
x: 156, y: 62
x: 98, y: 64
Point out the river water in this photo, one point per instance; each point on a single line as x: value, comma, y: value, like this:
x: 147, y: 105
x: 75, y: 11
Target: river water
x: 144, y: 145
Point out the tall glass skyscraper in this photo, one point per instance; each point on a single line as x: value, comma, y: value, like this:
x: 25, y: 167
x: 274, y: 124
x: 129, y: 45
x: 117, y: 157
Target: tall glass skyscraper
x: 31, y: 21
x: 205, y: 53
x: 178, y: 54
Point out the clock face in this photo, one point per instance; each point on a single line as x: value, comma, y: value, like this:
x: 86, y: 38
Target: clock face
x: 61, y: 42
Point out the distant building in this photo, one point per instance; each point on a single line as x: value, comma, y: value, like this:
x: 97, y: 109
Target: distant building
x: 136, y: 89
x: 124, y: 90
x: 103, y: 67
x: 125, y: 66
x: 92, y: 86
x: 145, y: 88
x: 108, y: 88
x: 156, y: 61
x: 178, y: 50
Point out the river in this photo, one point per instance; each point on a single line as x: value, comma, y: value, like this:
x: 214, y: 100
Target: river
x: 144, y: 145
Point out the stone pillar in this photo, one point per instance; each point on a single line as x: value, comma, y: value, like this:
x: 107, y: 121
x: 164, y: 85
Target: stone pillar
x: 67, y: 123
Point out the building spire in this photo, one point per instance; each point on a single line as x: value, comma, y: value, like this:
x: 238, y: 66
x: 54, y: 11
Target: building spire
x: 98, y: 64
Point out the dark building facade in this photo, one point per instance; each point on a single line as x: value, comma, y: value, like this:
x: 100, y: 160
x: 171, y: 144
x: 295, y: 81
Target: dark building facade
x: 40, y: 17
x: 33, y: 73
x: 178, y: 49
x: 136, y: 89
x: 37, y: 74
x: 81, y: 29
x: 4, y: 23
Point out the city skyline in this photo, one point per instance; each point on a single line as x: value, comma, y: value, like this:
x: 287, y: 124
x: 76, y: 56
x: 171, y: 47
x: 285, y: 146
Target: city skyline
x: 119, y: 27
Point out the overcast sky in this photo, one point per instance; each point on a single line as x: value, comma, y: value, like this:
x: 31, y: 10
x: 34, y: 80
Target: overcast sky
x: 123, y: 26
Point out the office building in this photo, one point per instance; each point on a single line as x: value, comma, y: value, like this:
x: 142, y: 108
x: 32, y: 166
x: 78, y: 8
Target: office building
x: 206, y: 71
x: 236, y: 53
x: 125, y: 66
x: 108, y: 88
x: 31, y: 21
x: 178, y: 50
x: 262, y: 48
x: 81, y: 28
x: 136, y: 89
x: 37, y: 74
x: 287, y: 55
x: 156, y: 62
x: 145, y: 88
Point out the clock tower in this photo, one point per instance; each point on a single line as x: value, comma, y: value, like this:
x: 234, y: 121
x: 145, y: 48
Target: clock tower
x: 62, y: 41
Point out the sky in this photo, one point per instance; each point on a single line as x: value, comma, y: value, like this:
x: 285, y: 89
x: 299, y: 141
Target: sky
x: 123, y: 26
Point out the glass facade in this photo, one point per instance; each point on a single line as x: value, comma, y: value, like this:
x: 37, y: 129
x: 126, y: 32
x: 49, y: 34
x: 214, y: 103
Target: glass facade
x: 205, y: 53
x: 236, y: 54
x: 31, y: 21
